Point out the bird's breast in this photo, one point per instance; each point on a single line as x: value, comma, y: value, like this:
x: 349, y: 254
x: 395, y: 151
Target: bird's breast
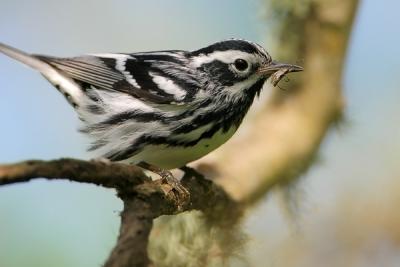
x: 174, y: 156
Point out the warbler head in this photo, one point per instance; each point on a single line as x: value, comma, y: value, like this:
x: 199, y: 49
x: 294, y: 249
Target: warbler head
x: 236, y: 66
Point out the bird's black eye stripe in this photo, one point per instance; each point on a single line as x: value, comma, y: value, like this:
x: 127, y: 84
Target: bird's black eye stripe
x: 241, y: 64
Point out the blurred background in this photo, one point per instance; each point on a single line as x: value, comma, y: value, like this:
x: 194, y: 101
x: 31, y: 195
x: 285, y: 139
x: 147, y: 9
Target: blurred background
x: 346, y: 206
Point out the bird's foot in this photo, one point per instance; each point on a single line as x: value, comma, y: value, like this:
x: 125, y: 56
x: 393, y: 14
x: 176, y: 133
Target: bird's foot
x: 181, y: 194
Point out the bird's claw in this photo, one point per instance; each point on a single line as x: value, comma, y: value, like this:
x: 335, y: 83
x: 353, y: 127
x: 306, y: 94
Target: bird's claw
x: 181, y: 194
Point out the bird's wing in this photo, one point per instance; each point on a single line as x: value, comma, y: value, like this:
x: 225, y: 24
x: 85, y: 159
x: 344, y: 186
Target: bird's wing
x: 133, y: 75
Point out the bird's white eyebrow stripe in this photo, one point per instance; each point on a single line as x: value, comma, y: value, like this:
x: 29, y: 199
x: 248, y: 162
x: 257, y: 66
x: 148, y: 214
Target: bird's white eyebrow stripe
x: 224, y: 56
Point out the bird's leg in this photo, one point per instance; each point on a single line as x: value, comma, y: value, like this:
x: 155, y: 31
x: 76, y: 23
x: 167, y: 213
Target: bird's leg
x: 167, y: 178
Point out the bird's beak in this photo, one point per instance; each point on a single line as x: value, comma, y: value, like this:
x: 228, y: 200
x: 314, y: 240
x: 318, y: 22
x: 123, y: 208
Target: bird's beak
x: 275, y: 66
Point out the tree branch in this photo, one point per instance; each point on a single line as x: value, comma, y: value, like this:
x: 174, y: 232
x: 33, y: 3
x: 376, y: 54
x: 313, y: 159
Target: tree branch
x: 94, y: 172
x: 143, y: 198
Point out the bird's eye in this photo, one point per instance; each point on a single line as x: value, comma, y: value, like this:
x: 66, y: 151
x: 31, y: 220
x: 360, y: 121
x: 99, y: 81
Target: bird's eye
x: 241, y: 64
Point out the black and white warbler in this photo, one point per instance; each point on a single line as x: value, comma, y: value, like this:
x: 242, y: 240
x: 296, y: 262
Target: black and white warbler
x: 160, y: 109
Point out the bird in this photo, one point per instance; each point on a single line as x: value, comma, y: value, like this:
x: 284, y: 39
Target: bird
x: 161, y: 109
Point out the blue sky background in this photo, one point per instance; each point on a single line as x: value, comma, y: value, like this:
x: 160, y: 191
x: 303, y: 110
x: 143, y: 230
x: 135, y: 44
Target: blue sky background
x: 36, y: 122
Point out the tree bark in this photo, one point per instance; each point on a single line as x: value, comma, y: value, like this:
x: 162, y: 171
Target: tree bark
x: 143, y: 198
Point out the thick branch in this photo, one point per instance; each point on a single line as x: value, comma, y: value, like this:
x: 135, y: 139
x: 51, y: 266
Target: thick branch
x: 136, y: 223
x: 143, y: 198
x: 127, y: 179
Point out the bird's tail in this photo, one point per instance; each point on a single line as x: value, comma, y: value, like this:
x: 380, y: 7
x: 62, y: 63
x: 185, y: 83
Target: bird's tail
x: 67, y: 86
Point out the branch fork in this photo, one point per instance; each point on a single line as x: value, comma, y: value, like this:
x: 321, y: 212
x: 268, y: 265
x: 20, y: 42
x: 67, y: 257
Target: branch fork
x: 143, y: 198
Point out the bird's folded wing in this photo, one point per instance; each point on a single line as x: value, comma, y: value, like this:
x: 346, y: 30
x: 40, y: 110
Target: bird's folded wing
x: 102, y: 73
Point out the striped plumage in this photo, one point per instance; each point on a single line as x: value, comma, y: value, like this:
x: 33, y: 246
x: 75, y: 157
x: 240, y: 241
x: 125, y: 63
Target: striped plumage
x: 166, y: 108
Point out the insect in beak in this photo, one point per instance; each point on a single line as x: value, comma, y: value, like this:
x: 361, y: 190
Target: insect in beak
x: 277, y: 70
